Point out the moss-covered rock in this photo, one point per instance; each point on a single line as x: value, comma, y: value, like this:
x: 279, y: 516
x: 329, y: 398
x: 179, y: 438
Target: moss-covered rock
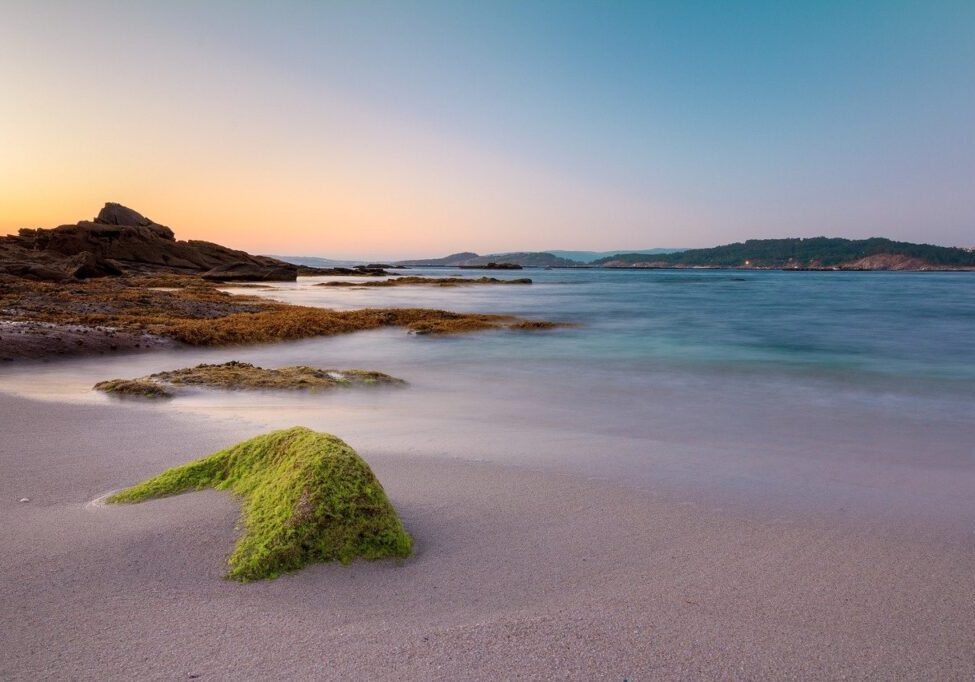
x: 235, y: 375
x: 134, y: 388
x: 307, y: 497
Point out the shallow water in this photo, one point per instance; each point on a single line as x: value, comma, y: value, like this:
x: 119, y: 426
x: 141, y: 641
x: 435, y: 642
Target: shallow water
x: 846, y: 393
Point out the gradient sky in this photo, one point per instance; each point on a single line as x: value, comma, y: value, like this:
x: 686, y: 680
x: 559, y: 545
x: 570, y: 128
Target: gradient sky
x: 384, y: 129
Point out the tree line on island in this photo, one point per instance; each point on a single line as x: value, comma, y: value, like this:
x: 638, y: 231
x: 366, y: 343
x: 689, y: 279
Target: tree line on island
x: 814, y: 253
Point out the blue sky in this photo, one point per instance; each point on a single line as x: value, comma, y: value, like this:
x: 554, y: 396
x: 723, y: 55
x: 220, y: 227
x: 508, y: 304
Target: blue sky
x: 388, y: 128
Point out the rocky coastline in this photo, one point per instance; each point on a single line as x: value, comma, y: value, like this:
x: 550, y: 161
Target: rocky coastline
x: 123, y: 283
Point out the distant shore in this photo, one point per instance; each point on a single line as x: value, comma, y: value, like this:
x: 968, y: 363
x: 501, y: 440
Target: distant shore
x: 743, y: 268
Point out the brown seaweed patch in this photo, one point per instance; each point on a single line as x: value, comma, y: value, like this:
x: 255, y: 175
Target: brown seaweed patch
x: 134, y: 388
x: 235, y: 375
x: 194, y: 312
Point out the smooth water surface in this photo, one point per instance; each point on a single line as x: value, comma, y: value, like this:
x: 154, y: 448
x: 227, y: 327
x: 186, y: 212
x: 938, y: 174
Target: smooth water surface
x: 840, y: 392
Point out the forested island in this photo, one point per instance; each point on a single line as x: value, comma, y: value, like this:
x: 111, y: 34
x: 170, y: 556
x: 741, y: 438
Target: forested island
x: 815, y: 253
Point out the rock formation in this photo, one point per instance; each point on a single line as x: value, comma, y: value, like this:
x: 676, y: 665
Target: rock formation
x: 307, y: 497
x: 120, y: 240
x: 235, y: 376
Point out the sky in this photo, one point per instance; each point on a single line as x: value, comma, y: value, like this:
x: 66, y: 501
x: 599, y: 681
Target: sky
x: 373, y: 129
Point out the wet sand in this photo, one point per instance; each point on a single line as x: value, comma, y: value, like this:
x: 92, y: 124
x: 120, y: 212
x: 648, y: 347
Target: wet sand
x: 45, y: 341
x: 518, y: 574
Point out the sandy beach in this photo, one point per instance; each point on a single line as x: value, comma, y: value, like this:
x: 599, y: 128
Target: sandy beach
x: 518, y: 574
x: 526, y: 341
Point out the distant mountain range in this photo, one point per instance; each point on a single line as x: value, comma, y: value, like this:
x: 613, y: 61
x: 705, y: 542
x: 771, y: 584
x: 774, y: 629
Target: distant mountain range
x: 821, y: 253
x: 528, y: 259
x: 315, y: 262
x: 523, y: 258
x: 590, y: 256
x: 815, y: 253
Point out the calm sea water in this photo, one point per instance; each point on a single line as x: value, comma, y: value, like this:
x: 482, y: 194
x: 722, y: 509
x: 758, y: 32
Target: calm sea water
x: 839, y: 392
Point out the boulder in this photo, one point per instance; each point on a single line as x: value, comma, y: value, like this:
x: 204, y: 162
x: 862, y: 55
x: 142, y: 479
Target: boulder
x: 117, y: 214
x: 306, y: 496
x: 33, y: 271
x: 85, y: 265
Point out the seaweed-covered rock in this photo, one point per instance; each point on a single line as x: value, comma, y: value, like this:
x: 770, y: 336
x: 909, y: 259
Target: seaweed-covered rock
x: 134, y: 388
x: 307, y: 497
x: 236, y: 375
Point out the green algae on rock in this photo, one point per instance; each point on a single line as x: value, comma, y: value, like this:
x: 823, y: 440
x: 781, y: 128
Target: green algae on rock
x: 134, y: 388
x: 307, y: 497
x: 235, y: 375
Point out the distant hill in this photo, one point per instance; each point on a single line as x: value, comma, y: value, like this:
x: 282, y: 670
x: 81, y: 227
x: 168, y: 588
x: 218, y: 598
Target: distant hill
x: 528, y: 259
x: 814, y: 253
x: 315, y: 262
x: 590, y: 256
x: 533, y: 259
x: 446, y: 261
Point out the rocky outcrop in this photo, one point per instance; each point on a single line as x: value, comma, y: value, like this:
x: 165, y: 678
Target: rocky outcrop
x: 117, y: 214
x: 235, y: 376
x: 121, y: 240
x: 249, y: 272
x: 39, y: 265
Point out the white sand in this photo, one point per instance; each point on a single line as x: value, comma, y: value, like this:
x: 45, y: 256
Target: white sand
x: 518, y: 574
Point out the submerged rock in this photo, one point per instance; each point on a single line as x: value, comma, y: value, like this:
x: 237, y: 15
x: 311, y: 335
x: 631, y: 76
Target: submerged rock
x: 235, y: 375
x: 307, y: 497
x: 135, y: 388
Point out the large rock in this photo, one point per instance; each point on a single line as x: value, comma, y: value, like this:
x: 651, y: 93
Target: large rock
x: 122, y: 240
x: 46, y: 266
x: 117, y: 214
x: 85, y: 265
x: 306, y: 496
x: 34, y: 271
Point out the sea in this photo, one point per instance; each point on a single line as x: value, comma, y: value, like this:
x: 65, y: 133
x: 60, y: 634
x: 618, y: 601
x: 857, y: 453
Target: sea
x: 846, y: 396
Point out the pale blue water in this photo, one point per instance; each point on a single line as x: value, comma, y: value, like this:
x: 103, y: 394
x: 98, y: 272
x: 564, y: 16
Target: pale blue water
x: 916, y: 325
x: 835, y: 392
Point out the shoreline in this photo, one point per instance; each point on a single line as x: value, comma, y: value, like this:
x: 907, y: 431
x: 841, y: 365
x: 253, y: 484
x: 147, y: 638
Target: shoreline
x: 35, y: 341
x: 711, y: 267
x: 517, y: 573
x: 43, y: 321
